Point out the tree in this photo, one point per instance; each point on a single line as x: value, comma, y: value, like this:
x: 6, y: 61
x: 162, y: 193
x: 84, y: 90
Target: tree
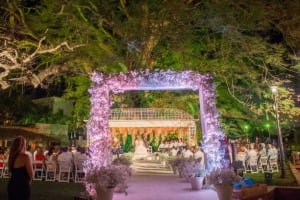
x: 241, y: 43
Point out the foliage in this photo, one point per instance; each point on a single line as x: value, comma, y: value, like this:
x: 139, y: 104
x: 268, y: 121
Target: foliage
x: 192, y: 169
x: 153, y: 143
x: 108, y: 176
x: 223, y: 177
x: 128, y: 143
x: 220, y: 37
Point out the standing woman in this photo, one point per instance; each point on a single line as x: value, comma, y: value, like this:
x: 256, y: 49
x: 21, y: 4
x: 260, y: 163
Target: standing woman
x: 21, y: 171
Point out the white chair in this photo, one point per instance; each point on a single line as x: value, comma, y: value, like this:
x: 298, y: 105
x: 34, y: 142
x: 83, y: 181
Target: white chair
x: 5, y: 171
x: 273, y: 164
x: 242, y: 157
x: 263, y: 164
x: 38, y: 167
x: 79, y: 173
x: 252, y: 164
x: 65, y: 171
x: 50, y: 170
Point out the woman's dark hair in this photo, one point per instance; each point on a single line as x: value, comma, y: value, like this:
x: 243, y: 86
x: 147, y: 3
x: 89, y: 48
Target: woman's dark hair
x: 50, y: 150
x: 16, y: 148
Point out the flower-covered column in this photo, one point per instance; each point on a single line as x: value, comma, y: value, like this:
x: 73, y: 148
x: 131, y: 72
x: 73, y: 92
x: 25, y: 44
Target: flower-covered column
x: 98, y: 125
x: 211, y: 131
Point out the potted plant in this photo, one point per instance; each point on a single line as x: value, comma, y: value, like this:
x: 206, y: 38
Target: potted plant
x: 122, y: 160
x: 194, y: 172
x: 105, y: 179
x: 223, y: 180
x: 175, y: 163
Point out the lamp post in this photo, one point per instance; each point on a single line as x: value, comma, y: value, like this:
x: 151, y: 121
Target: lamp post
x: 274, y: 90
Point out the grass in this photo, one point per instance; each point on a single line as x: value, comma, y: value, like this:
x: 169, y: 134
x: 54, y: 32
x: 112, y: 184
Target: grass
x: 42, y: 190
x: 289, y: 179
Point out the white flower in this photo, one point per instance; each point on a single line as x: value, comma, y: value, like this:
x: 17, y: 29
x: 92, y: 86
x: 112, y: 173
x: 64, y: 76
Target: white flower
x: 223, y: 177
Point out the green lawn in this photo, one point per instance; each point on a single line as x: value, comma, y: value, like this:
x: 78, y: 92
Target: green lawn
x: 42, y: 190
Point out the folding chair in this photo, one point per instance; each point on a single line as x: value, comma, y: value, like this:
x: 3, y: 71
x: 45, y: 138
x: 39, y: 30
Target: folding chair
x: 38, y: 167
x: 65, y: 171
x: 252, y: 165
x: 5, y: 171
x: 263, y: 164
x: 79, y: 173
x: 242, y: 158
x: 50, y: 170
x: 273, y: 164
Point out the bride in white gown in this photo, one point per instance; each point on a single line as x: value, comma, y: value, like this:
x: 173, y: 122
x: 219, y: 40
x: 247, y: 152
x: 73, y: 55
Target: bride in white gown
x: 140, y: 149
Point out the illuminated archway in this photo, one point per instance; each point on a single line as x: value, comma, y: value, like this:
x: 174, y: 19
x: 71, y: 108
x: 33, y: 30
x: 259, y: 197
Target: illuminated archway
x: 101, y: 100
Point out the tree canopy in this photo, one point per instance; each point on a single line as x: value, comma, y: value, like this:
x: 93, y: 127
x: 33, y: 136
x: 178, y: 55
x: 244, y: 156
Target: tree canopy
x: 248, y: 46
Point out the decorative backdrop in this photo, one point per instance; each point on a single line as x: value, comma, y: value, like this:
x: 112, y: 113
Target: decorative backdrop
x: 100, y: 138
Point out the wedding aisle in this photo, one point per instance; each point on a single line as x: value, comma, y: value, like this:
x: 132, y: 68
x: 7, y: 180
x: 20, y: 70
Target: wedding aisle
x: 163, y: 187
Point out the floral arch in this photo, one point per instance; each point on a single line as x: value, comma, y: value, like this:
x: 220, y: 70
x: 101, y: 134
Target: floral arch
x: 101, y: 100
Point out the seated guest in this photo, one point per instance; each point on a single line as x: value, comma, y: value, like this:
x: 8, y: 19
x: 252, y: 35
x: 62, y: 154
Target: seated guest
x: 39, y: 156
x: 64, y: 156
x: 199, y: 155
x: 162, y: 146
x: 270, y: 151
x: 241, y: 155
x: 252, y: 153
x: 187, y: 153
x: 262, y: 150
x: 174, y: 151
x: 81, y: 156
x: 1, y: 157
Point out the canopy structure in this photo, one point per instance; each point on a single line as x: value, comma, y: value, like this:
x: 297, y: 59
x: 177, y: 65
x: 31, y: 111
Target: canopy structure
x: 153, y: 120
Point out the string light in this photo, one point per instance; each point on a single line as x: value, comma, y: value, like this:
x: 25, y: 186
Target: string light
x: 103, y: 87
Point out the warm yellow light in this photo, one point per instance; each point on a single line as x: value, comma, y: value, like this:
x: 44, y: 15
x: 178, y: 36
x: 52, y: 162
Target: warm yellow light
x: 274, y: 89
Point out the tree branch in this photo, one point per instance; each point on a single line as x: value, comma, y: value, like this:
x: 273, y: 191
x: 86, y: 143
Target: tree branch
x: 10, y: 60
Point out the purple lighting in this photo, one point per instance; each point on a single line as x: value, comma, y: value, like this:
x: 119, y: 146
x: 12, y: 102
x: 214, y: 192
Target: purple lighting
x: 101, y: 100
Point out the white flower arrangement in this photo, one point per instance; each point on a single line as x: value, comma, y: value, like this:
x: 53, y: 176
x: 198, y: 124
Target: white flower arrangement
x: 109, y: 176
x: 192, y: 169
x: 223, y: 177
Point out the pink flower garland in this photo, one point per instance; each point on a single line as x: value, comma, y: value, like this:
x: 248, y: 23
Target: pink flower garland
x: 98, y: 125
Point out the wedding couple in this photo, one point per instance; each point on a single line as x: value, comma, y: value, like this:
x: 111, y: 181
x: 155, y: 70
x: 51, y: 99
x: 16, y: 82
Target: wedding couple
x: 141, y: 150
